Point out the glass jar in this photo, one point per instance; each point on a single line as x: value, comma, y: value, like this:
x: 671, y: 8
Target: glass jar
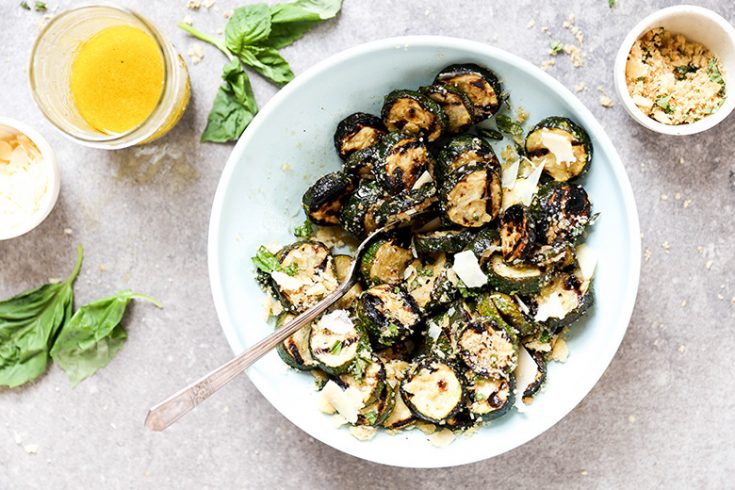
x: 50, y: 72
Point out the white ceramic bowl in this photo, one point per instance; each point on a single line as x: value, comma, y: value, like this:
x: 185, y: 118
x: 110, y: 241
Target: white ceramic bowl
x: 52, y: 169
x: 257, y: 202
x: 697, y: 24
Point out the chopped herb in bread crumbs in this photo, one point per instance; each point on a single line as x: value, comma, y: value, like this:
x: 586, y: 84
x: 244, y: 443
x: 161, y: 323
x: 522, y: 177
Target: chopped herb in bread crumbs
x: 672, y: 79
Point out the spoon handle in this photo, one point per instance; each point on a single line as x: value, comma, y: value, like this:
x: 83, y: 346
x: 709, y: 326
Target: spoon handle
x: 179, y: 404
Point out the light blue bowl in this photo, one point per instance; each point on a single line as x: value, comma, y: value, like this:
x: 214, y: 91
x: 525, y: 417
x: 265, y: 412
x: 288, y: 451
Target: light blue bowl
x: 258, y: 202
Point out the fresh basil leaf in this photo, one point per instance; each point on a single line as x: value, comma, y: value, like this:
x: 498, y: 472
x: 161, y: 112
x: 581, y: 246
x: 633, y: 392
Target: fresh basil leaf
x: 93, y: 336
x: 266, y: 261
x: 336, y: 348
x: 290, y: 21
x: 248, y: 25
x: 371, y: 417
x: 268, y: 62
x: 233, y: 108
x: 29, y: 324
x: 305, y: 230
x: 508, y: 126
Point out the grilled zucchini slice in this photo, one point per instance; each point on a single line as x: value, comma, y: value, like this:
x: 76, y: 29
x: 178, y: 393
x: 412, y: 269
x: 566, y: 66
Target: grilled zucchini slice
x: 357, y: 132
x: 388, y: 313
x: 562, y: 146
x: 294, y: 351
x: 538, y: 381
x: 519, y: 278
x: 563, y: 301
x: 439, y: 336
x: 358, y: 214
x: 485, y: 244
x: 430, y: 282
x: 370, y: 382
x: 384, y: 262
x: 378, y: 411
x: 489, y: 398
x: 487, y: 349
x: 471, y: 196
x: 411, y: 112
x: 401, y: 159
x: 463, y: 150
x: 438, y: 241
x: 479, y: 84
x: 432, y: 390
x: 314, y: 275
x: 563, y: 212
x: 334, y: 350
x: 505, y: 309
x: 400, y: 416
x: 342, y: 264
x: 360, y: 163
x: 396, y: 208
x: 455, y: 104
x: 517, y: 233
x: 323, y: 201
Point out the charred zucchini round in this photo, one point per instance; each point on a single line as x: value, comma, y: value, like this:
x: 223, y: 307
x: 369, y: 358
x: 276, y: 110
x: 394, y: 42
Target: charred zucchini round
x: 401, y: 159
x: 357, y: 132
x: 563, y: 301
x: 324, y: 200
x: 478, y: 83
x: 335, y: 349
x: 429, y: 284
x: 489, y: 398
x: 401, y: 207
x: 448, y: 241
x: 411, y: 112
x: 388, y: 313
x: 358, y: 213
x: 384, y: 262
x: 360, y: 163
x: 471, y: 196
x: 487, y: 349
x: 463, y: 150
x: 485, y: 244
x: 538, y: 380
x: 562, y: 145
x: 563, y: 212
x: 294, y: 351
x: 400, y: 415
x: 517, y: 233
x: 370, y: 380
x: 509, y: 279
x: 313, y: 275
x: 378, y: 411
x: 432, y: 390
x: 455, y: 104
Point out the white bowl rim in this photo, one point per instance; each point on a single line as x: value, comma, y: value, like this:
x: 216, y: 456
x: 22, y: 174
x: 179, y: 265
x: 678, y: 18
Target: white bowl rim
x: 631, y: 219
x: 54, y: 176
x: 621, y: 58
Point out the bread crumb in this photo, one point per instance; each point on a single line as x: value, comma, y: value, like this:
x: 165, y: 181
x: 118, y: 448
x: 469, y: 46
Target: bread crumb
x: 686, y: 203
x: 606, y: 101
x: 682, y: 348
x: 584, y: 473
x: 68, y: 231
x: 547, y: 64
x: 575, y: 53
x: 207, y: 4
x: 196, y: 53
x: 683, y: 303
x: 103, y: 267
x: 631, y: 418
x: 733, y: 300
x: 708, y: 264
x: 442, y: 438
x: 188, y: 20
x: 720, y: 296
x: 531, y: 24
x: 427, y: 12
x: 30, y: 448
x: 666, y: 246
x: 219, y: 32
x: 664, y: 197
x: 581, y: 87
x: 647, y: 255
x: 227, y: 14
x: 677, y: 196
x: 363, y: 433
x: 193, y: 4
x: 286, y: 167
x: 426, y: 427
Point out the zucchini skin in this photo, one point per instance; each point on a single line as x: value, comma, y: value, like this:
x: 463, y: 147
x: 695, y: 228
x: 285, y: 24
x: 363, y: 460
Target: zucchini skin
x: 397, y: 122
x: 452, y: 188
x: 508, y: 285
x: 458, y: 108
x: 540, y: 379
x: 428, y: 363
x: 345, y: 366
x: 517, y: 233
x: 579, y: 136
x: 323, y: 201
x: 500, y: 338
x: 289, y: 350
x: 401, y: 159
x: 394, y: 208
x: 446, y: 241
x: 500, y: 406
x: 382, y: 407
x: 562, y: 212
x: 468, y: 78
x: 386, y: 330
x: 463, y: 150
x: 349, y: 129
x: 361, y: 162
x: 401, y: 255
x: 586, y: 301
x: 358, y: 213
x: 326, y: 265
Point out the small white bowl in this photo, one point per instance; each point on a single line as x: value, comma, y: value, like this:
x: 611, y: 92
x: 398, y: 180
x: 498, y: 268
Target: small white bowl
x: 54, y: 179
x: 697, y: 24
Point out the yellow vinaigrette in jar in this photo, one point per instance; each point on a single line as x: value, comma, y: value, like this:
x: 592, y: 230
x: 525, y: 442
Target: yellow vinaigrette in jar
x: 117, y: 78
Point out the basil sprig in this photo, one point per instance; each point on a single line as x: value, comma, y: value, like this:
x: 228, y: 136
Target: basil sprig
x: 253, y: 36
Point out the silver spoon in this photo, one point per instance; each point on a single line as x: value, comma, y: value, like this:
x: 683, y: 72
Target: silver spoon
x: 170, y: 410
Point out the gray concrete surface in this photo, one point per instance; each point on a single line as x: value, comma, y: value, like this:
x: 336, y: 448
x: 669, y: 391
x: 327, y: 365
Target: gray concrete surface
x: 662, y: 415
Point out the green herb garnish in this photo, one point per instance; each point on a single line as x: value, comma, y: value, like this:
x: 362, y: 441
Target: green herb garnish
x: 545, y: 337
x: 683, y: 70
x: 480, y: 397
x: 336, y: 348
x: 464, y: 291
x: 29, y: 323
x: 508, y: 126
x: 253, y: 36
x: 371, y: 417
x: 93, y: 336
x: 40, y: 7
x: 425, y: 272
x: 611, y: 3
x: 392, y: 328
x: 715, y: 75
x: 665, y: 104
x: 24, y: 5
x: 305, y: 230
x: 266, y: 261
x: 491, y: 134
x: 556, y: 48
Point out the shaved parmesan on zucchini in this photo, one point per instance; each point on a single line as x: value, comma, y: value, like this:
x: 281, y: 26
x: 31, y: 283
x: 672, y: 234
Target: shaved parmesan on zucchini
x: 523, y: 190
x: 346, y: 402
x: 468, y: 269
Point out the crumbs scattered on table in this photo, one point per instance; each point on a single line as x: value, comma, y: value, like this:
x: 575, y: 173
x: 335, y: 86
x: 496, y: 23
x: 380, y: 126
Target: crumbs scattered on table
x: 584, y: 473
x: 683, y: 303
x: 686, y: 203
x: 227, y: 14
x: 196, y: 53
x: 571, y: 26
x: 666, y: 246
x: 708, y: 264
x: 531, y: 24
x: 677, y: 196
x: 647, y: 255
x: 682, y: 348
x: 193, y: 4
x: 286, y: 167
x: 664, y: 197
x: 103, y: 267
x: 188, y: 20
x: 68, y: 231
x: 631, y: 419
x: 545, y: 65
x: 581, y: 87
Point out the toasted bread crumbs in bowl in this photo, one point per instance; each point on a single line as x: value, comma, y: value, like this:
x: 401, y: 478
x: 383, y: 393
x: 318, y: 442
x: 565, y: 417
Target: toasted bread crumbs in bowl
x: 672, y: 79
